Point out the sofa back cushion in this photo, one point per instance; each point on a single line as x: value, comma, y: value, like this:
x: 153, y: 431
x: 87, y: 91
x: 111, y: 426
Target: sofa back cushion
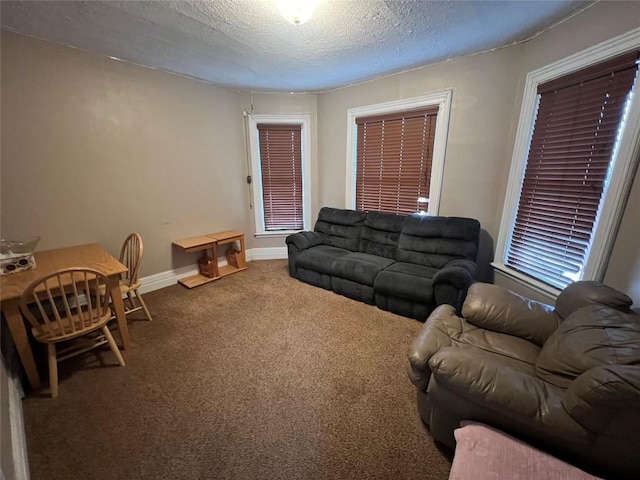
x: 340, y: 228
x: 491, y: 307
x: 381, y: 233
x: 587, y: 292
x: 435, y: 241
x: 594, y: 335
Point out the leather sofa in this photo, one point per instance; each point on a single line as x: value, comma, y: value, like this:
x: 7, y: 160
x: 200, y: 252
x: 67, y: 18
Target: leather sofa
x: 406, y: 264
x: 565, y: 379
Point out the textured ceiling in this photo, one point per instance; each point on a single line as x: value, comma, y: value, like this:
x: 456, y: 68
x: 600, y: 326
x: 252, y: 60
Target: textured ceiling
x: 246, y: 44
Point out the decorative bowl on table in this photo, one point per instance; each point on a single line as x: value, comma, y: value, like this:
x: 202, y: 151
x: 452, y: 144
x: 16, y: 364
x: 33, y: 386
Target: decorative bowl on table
x: 17, y: 255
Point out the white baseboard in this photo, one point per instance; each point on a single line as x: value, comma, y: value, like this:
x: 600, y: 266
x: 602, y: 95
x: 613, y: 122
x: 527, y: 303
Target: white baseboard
x: 165, y: 279
x: 273, y: 253
x: 170, y: 277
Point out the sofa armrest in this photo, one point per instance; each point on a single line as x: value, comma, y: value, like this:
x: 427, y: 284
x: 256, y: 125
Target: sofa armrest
x: 435, y: 334
x: 500, y: 310
x: 296, y: 242
x: 451, y: 282
x: 304, y: 240
x: 459, y: 273
x: 599, y: 394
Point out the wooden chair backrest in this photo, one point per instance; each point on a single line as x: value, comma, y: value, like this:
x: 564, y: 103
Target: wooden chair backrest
x: 66, y: 302
x: 130, y: 256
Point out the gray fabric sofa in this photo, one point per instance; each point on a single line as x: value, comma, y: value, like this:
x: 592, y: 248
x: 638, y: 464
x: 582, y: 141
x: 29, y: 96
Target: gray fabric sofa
x: 565, y: 379
x: 406, y: 264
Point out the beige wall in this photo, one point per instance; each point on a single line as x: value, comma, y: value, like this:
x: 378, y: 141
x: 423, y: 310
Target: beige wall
x: 476, y: 163
x: 623, y: 271
x: 487, y: 97
x: 93, y: 149
x: 601, y: 22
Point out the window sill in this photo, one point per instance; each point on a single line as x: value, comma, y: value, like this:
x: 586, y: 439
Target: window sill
x: 275, y: 234
x: 537, y: 286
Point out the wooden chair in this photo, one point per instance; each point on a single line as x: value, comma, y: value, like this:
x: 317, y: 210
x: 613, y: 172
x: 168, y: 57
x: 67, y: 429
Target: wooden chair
x: 63, y: 306
x: 130, y: 256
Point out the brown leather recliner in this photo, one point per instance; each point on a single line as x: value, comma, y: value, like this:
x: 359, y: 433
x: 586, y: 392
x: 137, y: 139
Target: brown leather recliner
x: 566, y: 380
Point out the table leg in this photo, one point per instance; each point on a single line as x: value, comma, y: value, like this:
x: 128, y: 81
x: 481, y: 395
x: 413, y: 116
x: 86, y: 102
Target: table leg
x: 118, y: 306
x: 214, y: 259
x: 19, y: 335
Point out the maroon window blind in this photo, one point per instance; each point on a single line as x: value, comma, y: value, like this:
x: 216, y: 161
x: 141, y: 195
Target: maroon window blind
x: 393, y: 160
x: 281, y: 168
x: 576, y: 129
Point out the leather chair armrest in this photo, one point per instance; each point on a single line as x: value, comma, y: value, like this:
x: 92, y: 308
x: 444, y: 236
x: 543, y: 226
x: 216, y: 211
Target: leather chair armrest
x: 304, y: 240
x: 490, y: 382
x: 500, y: 310
x: 599, y: 394
x: 435, y: 334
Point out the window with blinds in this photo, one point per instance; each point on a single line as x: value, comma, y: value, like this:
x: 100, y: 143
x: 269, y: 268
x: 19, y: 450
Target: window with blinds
x: 577, y: 127
x: 280, y: 148
x: 394, y: 155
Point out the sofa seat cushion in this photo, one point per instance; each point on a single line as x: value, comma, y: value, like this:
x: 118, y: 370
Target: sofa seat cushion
x: 406, y: 280
x: 444, y: 329
x: 360, y: 267
x: 320, y: 258
x: 449, y: 330
x: 519, y: 354
x: 592, y: 336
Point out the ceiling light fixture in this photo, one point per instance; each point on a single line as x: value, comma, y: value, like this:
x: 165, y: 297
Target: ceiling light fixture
x: 297, y: 11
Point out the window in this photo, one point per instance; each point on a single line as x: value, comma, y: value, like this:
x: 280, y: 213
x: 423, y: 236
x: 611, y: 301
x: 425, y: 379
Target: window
x: 393, y: 161
x: 571, y: 188
x: 396, y: 155
x: 280, y: 173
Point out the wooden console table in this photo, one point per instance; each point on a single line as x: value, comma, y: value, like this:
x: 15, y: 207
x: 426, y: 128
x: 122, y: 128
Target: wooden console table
x: 208, y: 261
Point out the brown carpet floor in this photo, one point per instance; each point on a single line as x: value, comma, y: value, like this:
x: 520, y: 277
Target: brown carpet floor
x: 254, y: 376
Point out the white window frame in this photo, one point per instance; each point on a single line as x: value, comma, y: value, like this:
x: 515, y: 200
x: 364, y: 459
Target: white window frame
x: 256, y: 175
x: 624, y: 164
x: 440, y: 99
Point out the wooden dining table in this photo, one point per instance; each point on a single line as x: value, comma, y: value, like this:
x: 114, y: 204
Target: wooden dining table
x: 12, y: 286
